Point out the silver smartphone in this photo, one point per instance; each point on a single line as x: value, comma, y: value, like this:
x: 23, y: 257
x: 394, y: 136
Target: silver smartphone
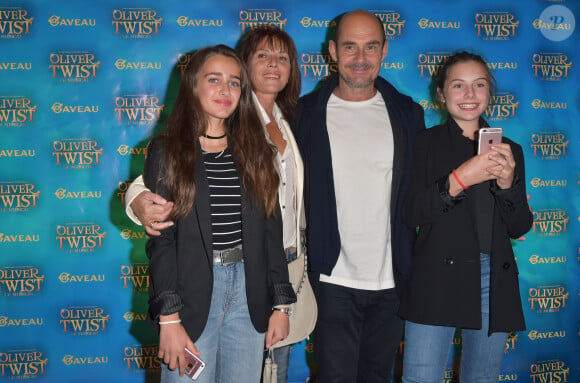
x: 487, y: 138
x: 195, y: 365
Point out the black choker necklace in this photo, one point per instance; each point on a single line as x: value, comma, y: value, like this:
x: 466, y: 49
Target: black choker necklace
x: 214, y: 137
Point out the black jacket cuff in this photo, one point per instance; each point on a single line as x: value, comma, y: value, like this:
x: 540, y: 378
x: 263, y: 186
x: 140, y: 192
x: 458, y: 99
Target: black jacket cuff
x: 165, y: 304
x: 284, y: 294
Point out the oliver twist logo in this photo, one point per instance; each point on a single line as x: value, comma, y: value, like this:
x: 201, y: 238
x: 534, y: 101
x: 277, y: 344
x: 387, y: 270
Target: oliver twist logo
x: 63, y: 193
x: 430, y: 62
x: 78, y: 360
x: 142, y: 357
x: 14, y: 22
x: 550, y: 222
x: 496, y: 25
x: 80, y: 237
x: 20, y: 280
x: 122, y: 189
x: 85, y: 320
x: 58, y: 21
x: 549, y: 371
x: 536, y: 259
x: 18, y: 196
x: 60, y: 108
x: 547, y: 299
x: 136, y: 23
x: 182, y: 61
x: 392, y: 23
x: 315, y: 66
x: 135, y: 276
x: 77, y: 66
x: 502, y: 106
x: 76, y: 153
x: 551, y: 66
x: 138, y: 109
x: 186, y: 21
x: 510, y: 343
x: 250, y: 18
x: 550, y: 145
x: 16, y: 111
x: 22, y: 364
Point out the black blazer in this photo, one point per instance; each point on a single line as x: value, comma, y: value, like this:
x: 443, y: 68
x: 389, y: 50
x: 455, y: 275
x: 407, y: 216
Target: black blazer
x: 181, y: 258
x: 445, y: 285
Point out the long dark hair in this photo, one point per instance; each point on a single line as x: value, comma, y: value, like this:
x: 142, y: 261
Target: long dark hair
x: 253, y: 156
x: 274, y: 38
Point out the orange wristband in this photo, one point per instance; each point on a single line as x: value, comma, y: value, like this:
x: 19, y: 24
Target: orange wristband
x: 458, y: 181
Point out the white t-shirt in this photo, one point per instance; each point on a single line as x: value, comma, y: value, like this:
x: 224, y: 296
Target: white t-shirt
x: 361, y: 143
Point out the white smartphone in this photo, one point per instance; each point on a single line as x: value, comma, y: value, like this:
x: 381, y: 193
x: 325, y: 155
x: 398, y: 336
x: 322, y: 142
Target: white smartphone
x: 195, y: 365
x: 487, y: 138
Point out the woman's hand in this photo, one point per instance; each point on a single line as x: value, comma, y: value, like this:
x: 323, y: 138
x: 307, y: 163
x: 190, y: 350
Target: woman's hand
x: 472, y: 172
x: 173, y: 340
x: 504, y: 173
x: 278, y: 328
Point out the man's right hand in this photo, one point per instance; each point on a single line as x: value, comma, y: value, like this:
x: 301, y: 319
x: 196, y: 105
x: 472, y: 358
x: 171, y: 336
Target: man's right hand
x: 153, y: 211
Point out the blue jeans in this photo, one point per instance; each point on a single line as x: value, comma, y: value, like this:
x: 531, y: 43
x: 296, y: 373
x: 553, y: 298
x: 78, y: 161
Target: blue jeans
x: 229, y: 344
x: 427, y: 347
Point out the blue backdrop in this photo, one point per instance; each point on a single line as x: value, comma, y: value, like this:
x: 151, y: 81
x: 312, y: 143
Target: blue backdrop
x: 83, y: 86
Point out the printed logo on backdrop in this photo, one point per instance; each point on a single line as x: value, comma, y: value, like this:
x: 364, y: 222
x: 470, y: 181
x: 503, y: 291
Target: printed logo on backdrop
x: 507, y: 378
x: 538, y: 182
x: 540, y: 260
x: 122, y: 64
x: 16, y: 111
x: 20, y: 281
x: 429, y: 63
x: 135, y: 277
x: 73, y: 66
x: 60, y: 108
x: 136, y: 23
x: 122, y: 189
x: 14, y: 22
x: 547, y: 299
x: 316, y: 66
x: 17, y: 153
x: 15, y: 66
x: 450, y: 375
x: 550, y: 371
x: 76, y: 360
x: 309, y: 22
x: 138, y: 109
x: 18, y: 196
x: 550, y: 222
x: 551, y: 66
x: 549, y: 105
x: 186, y: 21
x: 63, y: 193
x: 76, y: 153
x: 22, y: 364
x: 80, y: 237
x: 142, y: 357
x: 130, y: 317
x: 7, y: 322
x: 556, y: 23
x: 18, y: 238
x: 535, y: 335
x: 250, y: 18
x: 511, y: 341
x: 126, y: 150
x: 84, y: 320
x: 129, y: 234
x: 496, y: 25
x: 67, y: 278
x: 502, y: 107
x: 429, y: 105
x: 502, y: 65
x: 182, y: 61
x: 549, y: 146
x: 58, y: 21
x: 426, y: 23
x: 392, y: 23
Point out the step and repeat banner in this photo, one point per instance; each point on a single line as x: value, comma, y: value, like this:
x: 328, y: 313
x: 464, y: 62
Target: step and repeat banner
x: 84, y: 85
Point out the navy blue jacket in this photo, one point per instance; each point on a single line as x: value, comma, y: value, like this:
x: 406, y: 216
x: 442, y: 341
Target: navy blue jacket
x: 311, y: 134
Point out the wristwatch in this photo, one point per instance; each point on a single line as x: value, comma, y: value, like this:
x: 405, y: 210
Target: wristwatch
x: 285, y: 310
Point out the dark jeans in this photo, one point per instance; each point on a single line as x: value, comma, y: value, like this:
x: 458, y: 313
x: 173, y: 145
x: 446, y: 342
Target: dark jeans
x: 357, y: 334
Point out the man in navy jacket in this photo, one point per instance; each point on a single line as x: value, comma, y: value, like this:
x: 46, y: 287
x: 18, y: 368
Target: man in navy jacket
x: 356, y: 134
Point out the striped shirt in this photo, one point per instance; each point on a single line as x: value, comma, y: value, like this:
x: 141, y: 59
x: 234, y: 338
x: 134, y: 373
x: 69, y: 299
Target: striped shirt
x: 225, y: 199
